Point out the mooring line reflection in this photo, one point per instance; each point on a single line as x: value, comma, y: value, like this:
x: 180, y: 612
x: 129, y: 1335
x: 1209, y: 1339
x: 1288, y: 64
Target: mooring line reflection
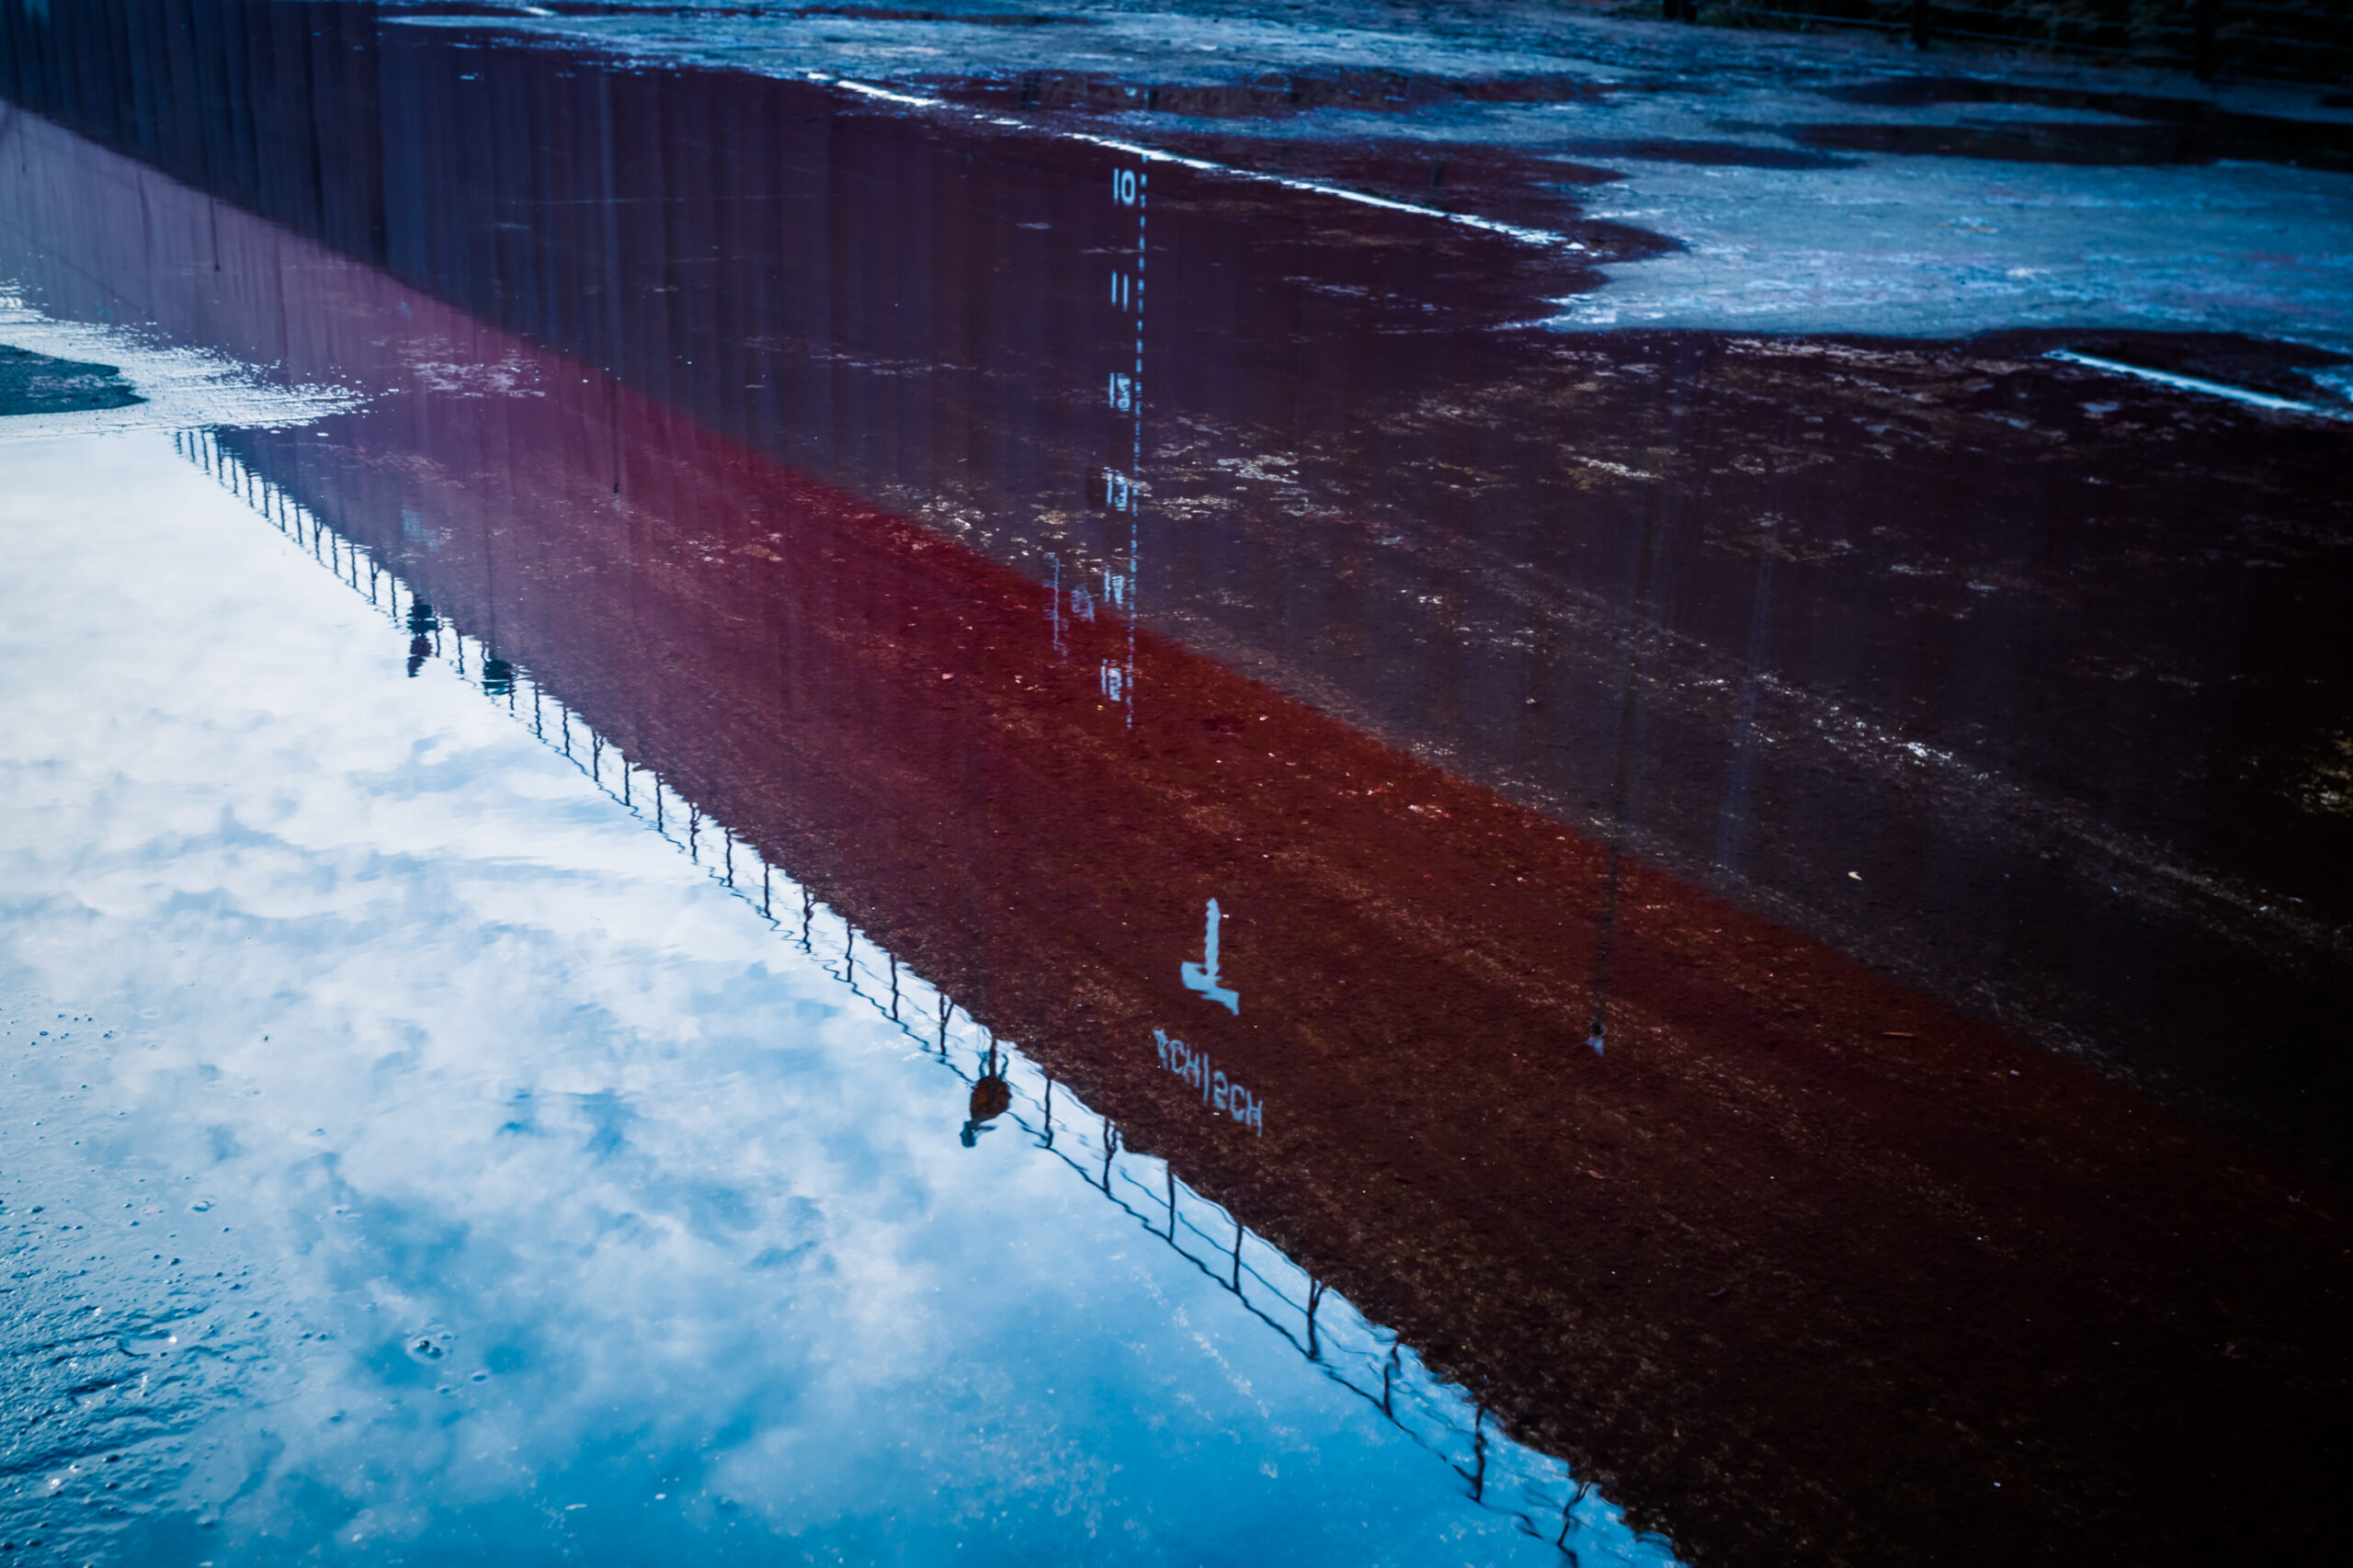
x: 1534, y: 1489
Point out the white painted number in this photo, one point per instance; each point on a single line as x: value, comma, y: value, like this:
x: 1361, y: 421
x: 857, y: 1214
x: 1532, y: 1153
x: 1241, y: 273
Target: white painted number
x: 1203, y: 976
x: 1219, y: 1093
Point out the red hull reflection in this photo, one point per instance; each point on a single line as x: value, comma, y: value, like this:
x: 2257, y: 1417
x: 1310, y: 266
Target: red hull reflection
x: 1801, y: 1264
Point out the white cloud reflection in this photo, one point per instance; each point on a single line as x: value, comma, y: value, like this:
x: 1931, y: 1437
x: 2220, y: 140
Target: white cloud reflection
x: 460, y: 1174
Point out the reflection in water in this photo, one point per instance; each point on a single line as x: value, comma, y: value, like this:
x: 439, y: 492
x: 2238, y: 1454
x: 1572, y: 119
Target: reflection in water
x: 991, y: 1099
x: 1488, y: 547
x: 1763, y: 613
x: 1202, y: 978
x: 422, y: 627
x: 1625, y: 775
x: 432, y: 1166
x: 1320, y: 1325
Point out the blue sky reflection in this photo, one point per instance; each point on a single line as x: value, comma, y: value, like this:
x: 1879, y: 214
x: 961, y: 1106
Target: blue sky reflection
x: 430, y: 1159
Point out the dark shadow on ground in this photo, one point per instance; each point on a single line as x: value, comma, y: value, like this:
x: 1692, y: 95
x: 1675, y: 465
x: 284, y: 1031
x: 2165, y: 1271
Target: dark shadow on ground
x: 2177, y: 130
x: 35, y: 383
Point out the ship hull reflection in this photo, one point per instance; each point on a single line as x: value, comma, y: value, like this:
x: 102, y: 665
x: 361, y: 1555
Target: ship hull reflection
x: 1788, y: 1193
x: 1799, y: 1262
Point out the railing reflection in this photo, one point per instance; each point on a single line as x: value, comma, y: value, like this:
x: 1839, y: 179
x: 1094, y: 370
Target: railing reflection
x: 1006, y: 1086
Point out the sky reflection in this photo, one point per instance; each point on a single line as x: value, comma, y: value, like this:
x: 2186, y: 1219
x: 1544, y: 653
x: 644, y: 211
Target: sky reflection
x: 430, y: 1159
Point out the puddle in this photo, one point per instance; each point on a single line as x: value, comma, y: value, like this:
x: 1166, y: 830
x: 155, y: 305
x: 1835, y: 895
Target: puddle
x: 2202, y: 130
x: 1548, y: 942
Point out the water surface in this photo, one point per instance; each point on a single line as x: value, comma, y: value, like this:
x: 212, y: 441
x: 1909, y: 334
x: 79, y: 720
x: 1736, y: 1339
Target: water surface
x: 943, y: 837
